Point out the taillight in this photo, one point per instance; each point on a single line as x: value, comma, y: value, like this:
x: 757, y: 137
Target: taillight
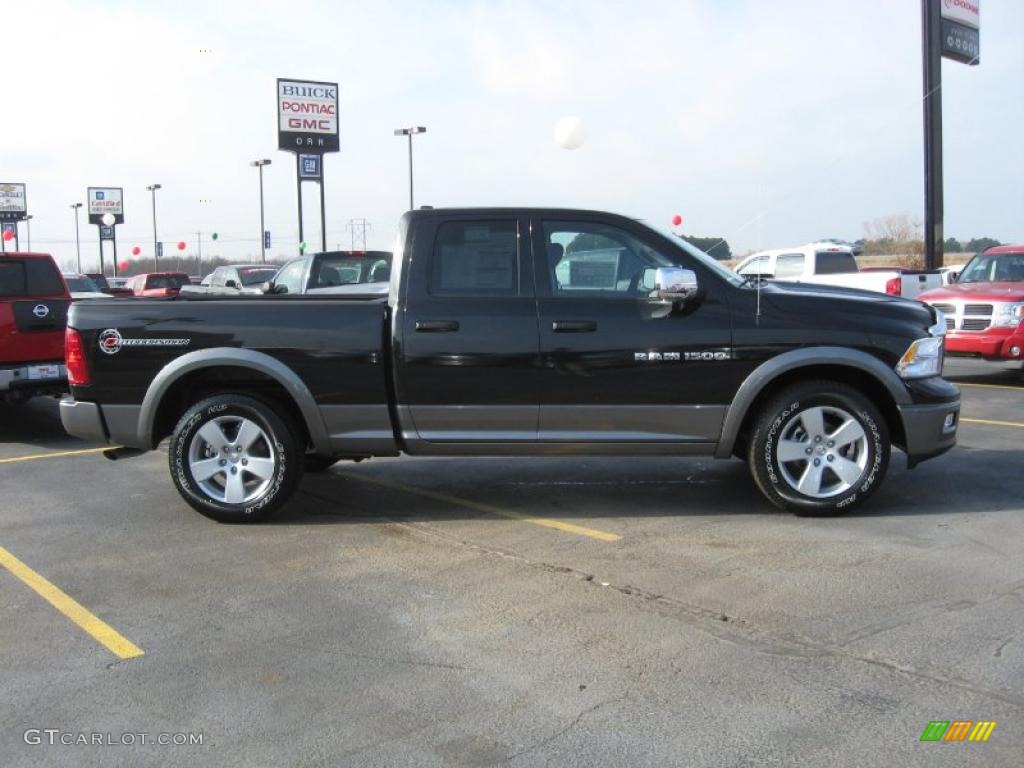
x: 74, y: 359
x: 894, y: 286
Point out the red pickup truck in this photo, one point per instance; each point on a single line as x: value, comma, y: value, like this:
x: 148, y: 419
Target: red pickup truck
x: 156, y: 284
x: 33, y: 311
x: 984, y: 308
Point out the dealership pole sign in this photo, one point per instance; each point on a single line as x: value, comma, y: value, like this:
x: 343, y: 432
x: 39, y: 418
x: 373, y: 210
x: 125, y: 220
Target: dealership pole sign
x: 961, y: 30
x: 106, y: 210
x: 307, y: 125
x: 13, y: 205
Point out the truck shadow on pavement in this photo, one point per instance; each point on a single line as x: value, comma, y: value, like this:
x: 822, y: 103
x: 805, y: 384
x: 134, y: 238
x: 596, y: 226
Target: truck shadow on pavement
x: 426, y: 490
x: 37, y: 424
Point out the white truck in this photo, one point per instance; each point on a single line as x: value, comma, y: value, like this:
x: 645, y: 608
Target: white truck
x: 831, y: 264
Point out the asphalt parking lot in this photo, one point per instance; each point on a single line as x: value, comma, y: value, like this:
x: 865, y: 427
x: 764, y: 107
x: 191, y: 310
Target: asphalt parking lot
x: 523, y: 612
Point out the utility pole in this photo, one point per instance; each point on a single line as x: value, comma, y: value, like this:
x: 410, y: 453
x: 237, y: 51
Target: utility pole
x: 931, y: 24
x: 358, y: 224
x: 28, y: 226
x: 153, y: 188
x: 199, y: 243
x: 263, y: 227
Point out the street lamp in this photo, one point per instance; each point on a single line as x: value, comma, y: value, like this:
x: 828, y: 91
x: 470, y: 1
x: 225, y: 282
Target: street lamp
x: 263, y: 230
x: 78, y: 243
x: 153, y: 188
x: 28, y: 226
x: 410, y: 132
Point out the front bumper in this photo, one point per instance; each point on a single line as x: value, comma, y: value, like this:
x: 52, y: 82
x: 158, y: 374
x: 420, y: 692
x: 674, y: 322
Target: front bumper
x: 929, y: 430
x: 993, y: 344
x: 83, y: 420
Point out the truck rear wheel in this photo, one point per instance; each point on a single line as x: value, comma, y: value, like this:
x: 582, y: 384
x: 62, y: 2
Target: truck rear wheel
x: 819, y: 448
x: 234, y: 459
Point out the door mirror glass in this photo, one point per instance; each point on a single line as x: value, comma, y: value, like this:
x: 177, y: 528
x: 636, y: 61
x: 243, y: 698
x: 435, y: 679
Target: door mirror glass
x: 672, y: 284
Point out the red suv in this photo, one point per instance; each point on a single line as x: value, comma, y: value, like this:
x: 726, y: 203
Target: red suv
x: 33, y: 310
x: 984, y: 308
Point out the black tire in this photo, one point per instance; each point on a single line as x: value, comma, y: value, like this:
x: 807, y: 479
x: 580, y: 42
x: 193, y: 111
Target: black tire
x: 276, y: 451
x: 313, y: 463
x: 780, y: 430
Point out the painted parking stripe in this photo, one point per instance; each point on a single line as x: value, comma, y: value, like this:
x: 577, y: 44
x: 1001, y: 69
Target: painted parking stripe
x: 989, y: 386
x: 54, y: 455
x: 993, y: 423
x: 99, y: 630
x: 559, y: 525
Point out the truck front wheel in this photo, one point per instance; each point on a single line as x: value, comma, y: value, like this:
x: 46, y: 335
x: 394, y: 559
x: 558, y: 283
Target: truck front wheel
x: 818, y: 448
x: 234, y: 459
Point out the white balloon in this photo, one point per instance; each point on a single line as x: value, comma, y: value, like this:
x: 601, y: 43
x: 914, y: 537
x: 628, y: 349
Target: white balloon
x: 570, y: 133
x: 108, y: 219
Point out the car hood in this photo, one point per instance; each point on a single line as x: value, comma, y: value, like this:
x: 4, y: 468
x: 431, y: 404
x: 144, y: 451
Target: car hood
x: 992, y: 291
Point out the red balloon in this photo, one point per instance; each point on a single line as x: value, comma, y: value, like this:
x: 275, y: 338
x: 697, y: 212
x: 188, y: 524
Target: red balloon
x: 181, y: 246
x: 136, y: 251
x: 123, y: 266
x: 8, y: 235
x: 677, y: 220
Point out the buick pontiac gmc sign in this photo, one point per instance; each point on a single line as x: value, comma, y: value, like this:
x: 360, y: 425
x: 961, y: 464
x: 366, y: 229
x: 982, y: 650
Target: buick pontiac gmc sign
x: 307, y: 116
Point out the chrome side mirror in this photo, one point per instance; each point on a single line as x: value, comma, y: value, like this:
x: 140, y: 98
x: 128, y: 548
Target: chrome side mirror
x: 673, y: 284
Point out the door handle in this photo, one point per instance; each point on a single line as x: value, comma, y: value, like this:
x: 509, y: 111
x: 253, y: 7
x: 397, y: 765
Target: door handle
x: 437, y: 326
x: 574, y: 326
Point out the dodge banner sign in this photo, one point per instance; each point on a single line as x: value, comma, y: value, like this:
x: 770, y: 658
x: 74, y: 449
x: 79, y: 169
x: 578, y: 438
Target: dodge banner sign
x: 307, y: 116
x: 12, y: 202
x: 104, y: 200
x: 961, y: 23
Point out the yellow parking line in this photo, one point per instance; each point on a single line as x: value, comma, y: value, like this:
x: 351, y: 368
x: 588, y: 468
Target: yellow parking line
x: 989, y: 386
x: 579, y: 530
x: 994, y: 423
x: 98, y: 629
x: 53, y: 455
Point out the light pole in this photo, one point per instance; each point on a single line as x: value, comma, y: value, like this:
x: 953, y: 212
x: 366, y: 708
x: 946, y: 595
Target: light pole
x: 263, y: 230
x: 28, y: 227
x: 410, y: 132
x: 153, y: 188
x: 78, y: 243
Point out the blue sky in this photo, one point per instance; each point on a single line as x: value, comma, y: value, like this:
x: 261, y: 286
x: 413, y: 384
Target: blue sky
x: 766, y: 123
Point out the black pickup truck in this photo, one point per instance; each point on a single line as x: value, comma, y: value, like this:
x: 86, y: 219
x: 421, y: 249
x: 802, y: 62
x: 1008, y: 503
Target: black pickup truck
x: 518, y: 332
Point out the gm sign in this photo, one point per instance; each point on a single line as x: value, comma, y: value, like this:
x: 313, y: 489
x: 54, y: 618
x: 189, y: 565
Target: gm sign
x: 307, y: 116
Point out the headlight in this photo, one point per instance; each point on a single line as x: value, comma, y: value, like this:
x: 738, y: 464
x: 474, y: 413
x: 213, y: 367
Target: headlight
x: 923, y: 358
x: 1007, y: 315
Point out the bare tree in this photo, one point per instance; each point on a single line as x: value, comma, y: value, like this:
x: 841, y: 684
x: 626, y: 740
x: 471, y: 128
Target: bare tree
x: 897, y: 235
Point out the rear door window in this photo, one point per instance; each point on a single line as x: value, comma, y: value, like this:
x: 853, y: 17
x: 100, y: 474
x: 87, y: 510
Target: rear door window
x: 476, y: 258
x: 29, y: 277
x: 789, y: 265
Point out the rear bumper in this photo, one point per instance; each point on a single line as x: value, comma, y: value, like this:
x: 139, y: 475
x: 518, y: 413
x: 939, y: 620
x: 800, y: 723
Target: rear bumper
x: 993, y: 344
x: 930, y: 429
x: 18, y: 378
x: 83, y: 420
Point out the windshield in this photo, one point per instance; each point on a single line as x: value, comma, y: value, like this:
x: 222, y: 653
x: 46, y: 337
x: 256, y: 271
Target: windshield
x: 994, y: 267
x: 256, y: 275
x: 708, y: 261
x: 81, y: 285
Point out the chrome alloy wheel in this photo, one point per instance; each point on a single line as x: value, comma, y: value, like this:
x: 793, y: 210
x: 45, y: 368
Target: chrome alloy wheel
x: 822, y: 452
x: 232, y: 459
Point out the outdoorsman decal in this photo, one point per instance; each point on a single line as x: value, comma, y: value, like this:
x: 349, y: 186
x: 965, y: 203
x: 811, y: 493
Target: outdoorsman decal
x: 111, y: 342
